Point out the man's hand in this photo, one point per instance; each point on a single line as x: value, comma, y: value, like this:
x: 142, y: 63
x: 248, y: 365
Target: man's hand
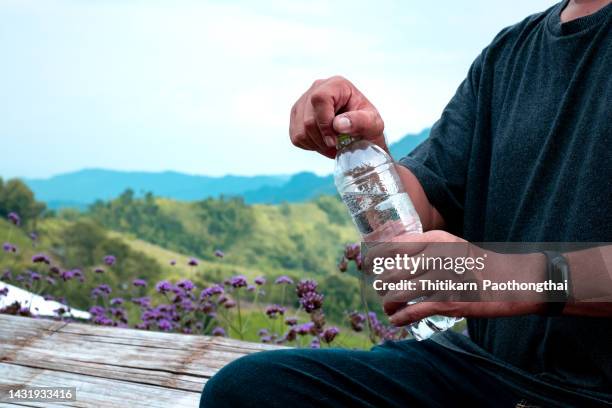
x: 436, y: 243
x: 315, y: 126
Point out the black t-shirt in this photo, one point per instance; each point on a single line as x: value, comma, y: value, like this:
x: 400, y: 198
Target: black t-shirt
x: 523, y: 153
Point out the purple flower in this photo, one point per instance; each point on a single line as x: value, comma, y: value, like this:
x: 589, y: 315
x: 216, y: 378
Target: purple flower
x: 343, y: 265
x: 351, y: 251
x: 262, y: 332
x: 4, y: 291
x: 273, y: 310
x: 98, y: 270
x: 315, y: 343
x: 359, y: 262
x: 305, y: 286
x: 97, y: 310
x: 193, y: 262
x: 172, y: 262
x: 41, y: 258
x: 67, y: 275
x: 306, y: 328
x: 116, y: 301
x: 207, y: 307
x: 6, y: 275
x: 219, y: 253
x: 186, y: 285
x: 110, y: 260
x: 142, y: 326
x: 215, y: 289
x: 218, y: 331
x: 238, y: 281
x: 283, y: 279
x: 34, y: 276
x: 33, y: 236
x: 103, y: 320
x: 14, y: 218
x: 229, y: 304
x: 163, y: 286
x: 251, y: 288
x: 291, y: 321
x: 187, y: 305
x: 139, y: 283
x: 101, y: 290
x: 144, y: 301
x: 260, y: 281
x: 164, y: 324
x: 8, y: 247
x: 357, y: 320
x: 330, y: 334
x: 291, y: 334
x: 311, y: 301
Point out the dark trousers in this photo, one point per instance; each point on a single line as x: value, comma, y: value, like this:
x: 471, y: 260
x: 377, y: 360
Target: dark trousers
x: 396, y: 374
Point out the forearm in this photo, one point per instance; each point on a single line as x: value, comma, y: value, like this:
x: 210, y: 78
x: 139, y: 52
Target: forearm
x: 591, y: 280
x: 430, y: 217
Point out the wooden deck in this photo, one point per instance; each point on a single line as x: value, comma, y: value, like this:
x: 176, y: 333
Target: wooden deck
x: 111, y: 367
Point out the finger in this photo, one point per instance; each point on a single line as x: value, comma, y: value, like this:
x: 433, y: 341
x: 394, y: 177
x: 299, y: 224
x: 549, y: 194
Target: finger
x: 414, y: 313
x: 395, y: 300
x: 297, y: 133
x: 311, y: 128
x: 366, y: 123
x: 324, y: 111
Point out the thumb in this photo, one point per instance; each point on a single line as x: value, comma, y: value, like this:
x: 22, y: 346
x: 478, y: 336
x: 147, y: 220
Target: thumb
x: 366, y: 123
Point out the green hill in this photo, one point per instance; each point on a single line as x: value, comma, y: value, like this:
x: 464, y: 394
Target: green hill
x: 286, y: 238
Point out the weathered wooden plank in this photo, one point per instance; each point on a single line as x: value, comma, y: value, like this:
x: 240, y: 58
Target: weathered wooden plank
x: 143, y: 364
x: 98, y: 392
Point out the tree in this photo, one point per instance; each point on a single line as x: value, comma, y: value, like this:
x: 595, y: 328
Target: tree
x: 15, y: 196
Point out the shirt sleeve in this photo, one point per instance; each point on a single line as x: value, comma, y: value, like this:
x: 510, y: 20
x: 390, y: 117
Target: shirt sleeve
x: 440, y: 162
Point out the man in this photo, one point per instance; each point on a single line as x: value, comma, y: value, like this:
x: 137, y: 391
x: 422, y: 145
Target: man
x: 521, y: 153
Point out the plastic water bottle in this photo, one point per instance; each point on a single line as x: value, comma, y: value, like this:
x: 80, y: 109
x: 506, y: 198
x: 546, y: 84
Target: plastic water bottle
x: 369, y: 185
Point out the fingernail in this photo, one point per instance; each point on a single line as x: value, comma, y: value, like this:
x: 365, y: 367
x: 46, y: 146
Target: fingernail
x: 329, y: 141
x: 343, y: 124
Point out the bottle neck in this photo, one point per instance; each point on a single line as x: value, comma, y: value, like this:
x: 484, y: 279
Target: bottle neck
x: 343, y: 140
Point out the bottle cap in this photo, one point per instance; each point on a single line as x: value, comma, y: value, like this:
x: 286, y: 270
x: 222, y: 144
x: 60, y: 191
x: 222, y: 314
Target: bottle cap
x: 343, y: 140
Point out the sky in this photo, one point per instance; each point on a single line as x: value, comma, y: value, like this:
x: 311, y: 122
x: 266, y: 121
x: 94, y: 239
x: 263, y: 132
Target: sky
x: 205, y: 87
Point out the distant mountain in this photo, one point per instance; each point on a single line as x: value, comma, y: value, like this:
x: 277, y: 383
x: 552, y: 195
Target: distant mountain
x: 81, y: 188
x: 407, y: 144
x: 300, y: 187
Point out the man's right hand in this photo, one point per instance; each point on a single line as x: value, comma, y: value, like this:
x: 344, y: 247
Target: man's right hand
x: 330, y: 107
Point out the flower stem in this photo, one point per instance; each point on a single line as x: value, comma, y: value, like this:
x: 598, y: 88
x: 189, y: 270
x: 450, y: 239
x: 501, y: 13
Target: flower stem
x: 239, y: 315
x: 364, y: 303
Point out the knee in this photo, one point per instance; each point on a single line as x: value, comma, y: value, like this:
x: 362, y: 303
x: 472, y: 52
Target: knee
x: 228, y: 387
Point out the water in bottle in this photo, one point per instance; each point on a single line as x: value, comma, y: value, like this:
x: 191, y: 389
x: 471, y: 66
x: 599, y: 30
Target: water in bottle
x: 369, y: 185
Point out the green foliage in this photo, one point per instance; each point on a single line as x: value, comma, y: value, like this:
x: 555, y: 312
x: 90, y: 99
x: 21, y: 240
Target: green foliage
x: 16, y: 196
x: 225, y: 220
x: 143, y: 218
x: 82, y: 244
x: 299, y: 238
x: 334, y: 208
